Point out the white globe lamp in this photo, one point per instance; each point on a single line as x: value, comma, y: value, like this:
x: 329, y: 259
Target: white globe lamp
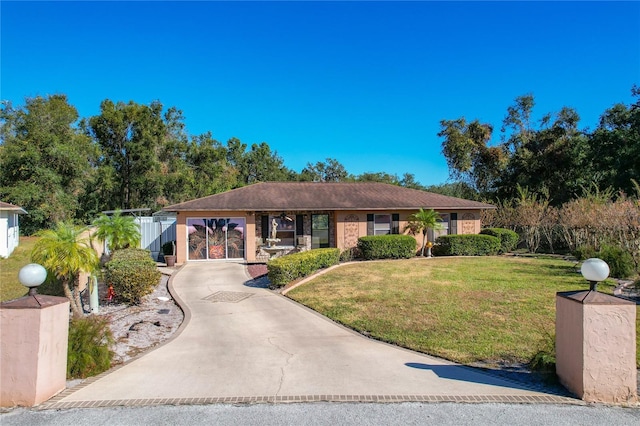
x: 32, y: 275
x: 594, y: 270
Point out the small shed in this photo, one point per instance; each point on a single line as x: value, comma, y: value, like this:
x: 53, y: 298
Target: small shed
x: 9, y: 228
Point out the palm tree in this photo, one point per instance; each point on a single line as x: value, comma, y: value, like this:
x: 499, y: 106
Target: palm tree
x: 64, y: 252
x: 118, y: 231
x: 422, y: 221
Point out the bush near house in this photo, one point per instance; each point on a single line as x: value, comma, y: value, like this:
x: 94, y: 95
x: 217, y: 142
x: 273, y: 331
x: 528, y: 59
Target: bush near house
x: 285, y: 269
x: 133, y: 254
x: 132, y: 273
x: 466, y: 245
x: 89, y: 347
x: 387, y: 247
x: 508, y: 238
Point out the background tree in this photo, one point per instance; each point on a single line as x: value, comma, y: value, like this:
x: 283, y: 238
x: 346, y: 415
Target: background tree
x: 409, y: 181
x: 44, y: 160
x: 130, y: 137
x: 455, y: 189
x: 421, y: 222
x: 615, y: 146
x: 259, y: 164
x: 65, y: 251
x: 264, y: 165
x: 207, y: 162
x: 330, y: 170
x: 381, y: 177
x: 469, y: 157
x: 549, y: 159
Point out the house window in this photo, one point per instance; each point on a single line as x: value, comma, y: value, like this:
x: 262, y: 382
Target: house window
x: 444, y: 228
x: 285, y: 230
x: 381, y: 224
x: 319, y: 231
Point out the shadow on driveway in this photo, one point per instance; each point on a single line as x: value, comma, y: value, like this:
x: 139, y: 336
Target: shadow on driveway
x: 519, y: 379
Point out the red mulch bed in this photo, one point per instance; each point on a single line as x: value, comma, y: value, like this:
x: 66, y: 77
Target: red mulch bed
x: 257, y: 270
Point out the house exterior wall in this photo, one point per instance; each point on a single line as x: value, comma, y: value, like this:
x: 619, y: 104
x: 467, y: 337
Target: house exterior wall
x: 345, y: 227
x: 350, y: 225
x: 9, y: 232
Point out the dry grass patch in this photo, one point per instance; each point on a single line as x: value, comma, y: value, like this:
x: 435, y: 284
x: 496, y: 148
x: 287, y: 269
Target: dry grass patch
x: 483, y: 309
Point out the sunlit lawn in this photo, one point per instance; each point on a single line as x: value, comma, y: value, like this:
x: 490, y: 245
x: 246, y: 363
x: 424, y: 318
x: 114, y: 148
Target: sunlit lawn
x: 481, y: 309
x: 10, y: 287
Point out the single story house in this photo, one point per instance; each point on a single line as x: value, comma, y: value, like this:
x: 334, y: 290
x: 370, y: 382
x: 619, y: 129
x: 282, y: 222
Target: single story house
x: 263, y: 220
x: 9, y: 228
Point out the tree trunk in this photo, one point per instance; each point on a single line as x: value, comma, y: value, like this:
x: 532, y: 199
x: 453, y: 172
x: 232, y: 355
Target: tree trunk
x: 424, y: 242
x: 76, y: 308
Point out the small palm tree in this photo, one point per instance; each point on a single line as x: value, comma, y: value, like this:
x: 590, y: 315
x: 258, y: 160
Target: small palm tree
x: 64, y: 252
x: 118, y: 231
x: 422, y: 221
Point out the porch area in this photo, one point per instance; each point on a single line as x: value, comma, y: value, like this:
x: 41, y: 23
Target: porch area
x: 279, y: 234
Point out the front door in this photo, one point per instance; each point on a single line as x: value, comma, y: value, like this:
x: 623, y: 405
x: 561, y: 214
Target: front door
x: 216, y: 238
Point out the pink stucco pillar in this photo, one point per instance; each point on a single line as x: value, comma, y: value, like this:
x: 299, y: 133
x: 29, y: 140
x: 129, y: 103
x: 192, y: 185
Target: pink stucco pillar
x: 34, y: 333
x: 596, y: 346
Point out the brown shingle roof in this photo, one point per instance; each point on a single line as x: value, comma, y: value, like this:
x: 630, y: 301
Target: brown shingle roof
x: 11, y: 207
x: 288, y: 196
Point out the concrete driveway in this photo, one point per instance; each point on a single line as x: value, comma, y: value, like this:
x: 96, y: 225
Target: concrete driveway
x: 244, y: 344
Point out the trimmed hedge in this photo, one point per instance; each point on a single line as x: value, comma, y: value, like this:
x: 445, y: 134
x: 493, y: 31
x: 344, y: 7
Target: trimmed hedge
x: 132, y: 273
x: 283, y: 270
x: 508, y: 238
x: 466, y: 245
x: 387, y: 247
x: 133, y: 254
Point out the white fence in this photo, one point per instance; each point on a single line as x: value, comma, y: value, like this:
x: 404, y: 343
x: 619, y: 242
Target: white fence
x: 154, y: 233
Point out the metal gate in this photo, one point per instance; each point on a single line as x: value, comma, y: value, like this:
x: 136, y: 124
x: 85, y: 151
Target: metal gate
x: 155, y: 232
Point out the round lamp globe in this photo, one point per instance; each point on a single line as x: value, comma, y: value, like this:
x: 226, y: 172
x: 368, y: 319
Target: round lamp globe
x: 595, y: 270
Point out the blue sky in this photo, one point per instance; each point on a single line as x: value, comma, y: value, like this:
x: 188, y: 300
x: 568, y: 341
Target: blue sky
x: 366, y: 83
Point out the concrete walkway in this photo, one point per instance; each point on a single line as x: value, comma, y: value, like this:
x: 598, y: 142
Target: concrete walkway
x: 244, y: 344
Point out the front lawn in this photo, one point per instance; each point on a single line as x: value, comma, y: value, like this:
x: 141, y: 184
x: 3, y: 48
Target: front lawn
x: 10, y: 287
x: 480, y: 309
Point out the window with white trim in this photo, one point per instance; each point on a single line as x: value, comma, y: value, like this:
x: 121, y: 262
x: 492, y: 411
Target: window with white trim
x: 381, y: 224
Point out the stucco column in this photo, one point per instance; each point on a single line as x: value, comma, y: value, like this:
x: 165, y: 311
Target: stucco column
x: 596, y: 346
x: 34, y: 334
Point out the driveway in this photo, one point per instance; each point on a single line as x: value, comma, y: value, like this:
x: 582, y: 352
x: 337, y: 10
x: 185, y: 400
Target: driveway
x: 245, y: 344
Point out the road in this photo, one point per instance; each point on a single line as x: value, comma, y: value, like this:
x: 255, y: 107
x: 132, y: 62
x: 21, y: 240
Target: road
x: 343, y: 414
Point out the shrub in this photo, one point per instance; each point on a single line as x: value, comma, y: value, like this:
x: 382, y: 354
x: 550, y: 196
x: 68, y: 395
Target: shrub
x: 508, y: 238
x: 620, y: 262
x: 466, y: 245
x: 133, y: 254
x: 168, y: 248
x: 283, y: 270
x: 132, y: 273
x: 349, y: 254
x: 584, y: 252
x: 89, y: 351
x: 387, y: 247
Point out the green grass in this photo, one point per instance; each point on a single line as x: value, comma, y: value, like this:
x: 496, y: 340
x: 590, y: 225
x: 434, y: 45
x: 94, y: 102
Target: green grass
x: 482, y: 309
x: 10, y: 287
